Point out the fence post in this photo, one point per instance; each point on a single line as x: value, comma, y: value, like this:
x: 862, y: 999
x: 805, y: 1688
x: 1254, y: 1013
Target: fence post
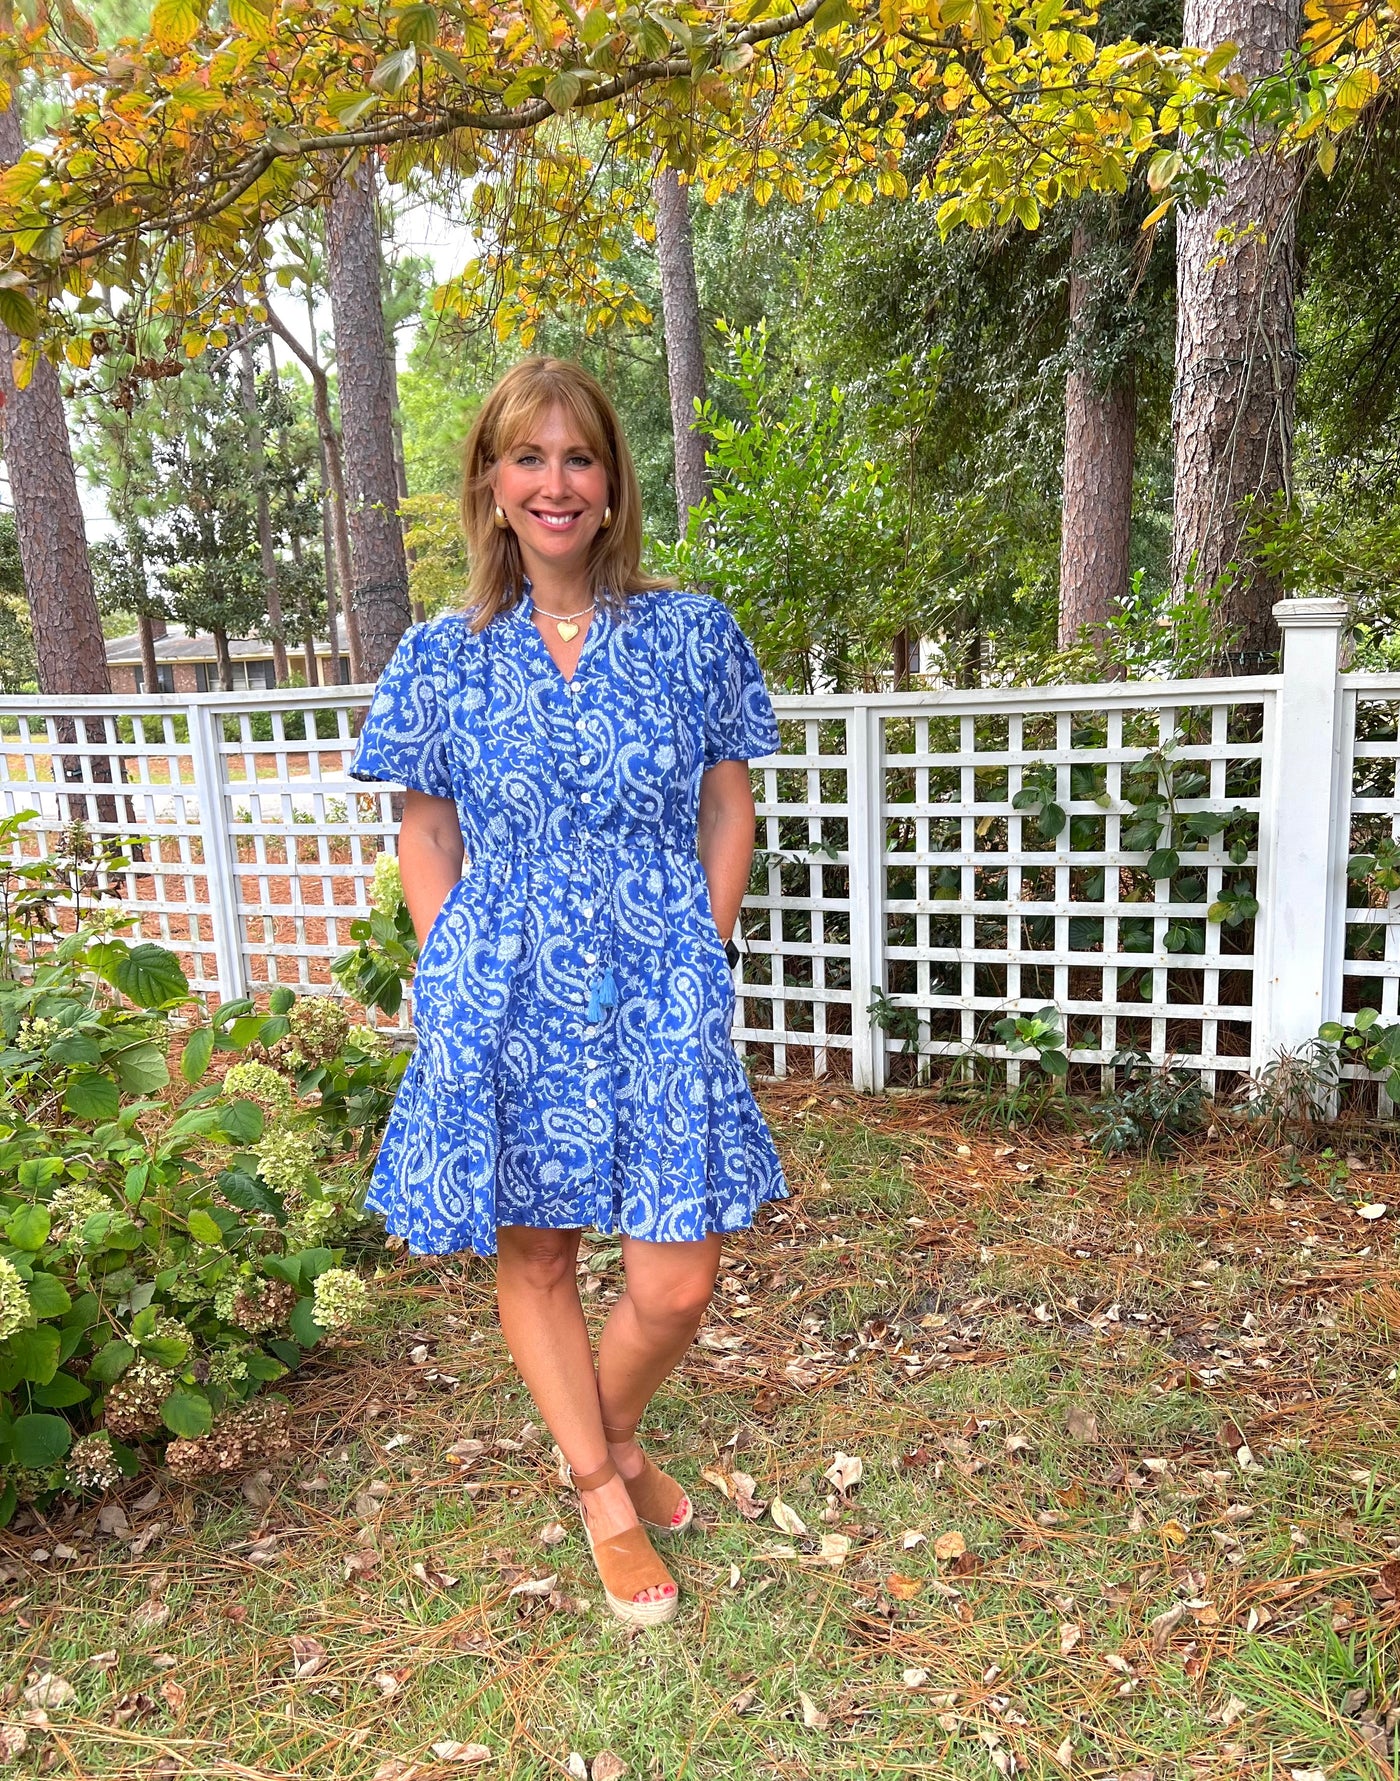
x: 865, y: 849
x: 1297, y: 967
x: 217, y: 844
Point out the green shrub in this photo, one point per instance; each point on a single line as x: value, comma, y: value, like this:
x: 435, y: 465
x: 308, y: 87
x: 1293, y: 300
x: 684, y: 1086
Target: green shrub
x: 1153, y: 1108
x: 161, y: 1239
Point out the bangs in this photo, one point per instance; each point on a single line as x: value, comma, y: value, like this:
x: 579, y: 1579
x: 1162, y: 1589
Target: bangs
x: 522, y: 412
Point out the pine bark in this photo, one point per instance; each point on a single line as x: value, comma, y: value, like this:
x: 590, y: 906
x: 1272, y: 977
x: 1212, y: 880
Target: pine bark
x: 1097, y: 508
x: 379, y: 598
x: 267, y: 549
x: 685, y: 349
x: 1236, y: 353
x: 68, y: 641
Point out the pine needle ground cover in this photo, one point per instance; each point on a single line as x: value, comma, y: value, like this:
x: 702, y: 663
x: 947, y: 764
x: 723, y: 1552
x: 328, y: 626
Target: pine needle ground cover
x: 1008, y: 1460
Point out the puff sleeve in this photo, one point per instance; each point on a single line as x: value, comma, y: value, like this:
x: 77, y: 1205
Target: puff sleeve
x: 404, y: 738
x: 739, y: 721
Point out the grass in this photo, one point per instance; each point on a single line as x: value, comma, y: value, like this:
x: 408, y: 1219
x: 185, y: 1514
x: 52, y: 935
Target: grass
x: 1142, y: 1415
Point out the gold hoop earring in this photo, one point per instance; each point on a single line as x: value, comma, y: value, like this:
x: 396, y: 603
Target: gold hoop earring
x: 500, y: 517
x: 607, y: 519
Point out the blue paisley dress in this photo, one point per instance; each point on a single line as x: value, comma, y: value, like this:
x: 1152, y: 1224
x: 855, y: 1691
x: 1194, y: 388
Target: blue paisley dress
x: 573, y: 1003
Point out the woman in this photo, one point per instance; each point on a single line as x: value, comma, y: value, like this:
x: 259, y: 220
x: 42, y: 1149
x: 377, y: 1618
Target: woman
x: 581, y: 734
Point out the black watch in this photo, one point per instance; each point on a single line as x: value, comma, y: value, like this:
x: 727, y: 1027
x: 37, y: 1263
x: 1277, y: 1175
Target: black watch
x: 731, y: 952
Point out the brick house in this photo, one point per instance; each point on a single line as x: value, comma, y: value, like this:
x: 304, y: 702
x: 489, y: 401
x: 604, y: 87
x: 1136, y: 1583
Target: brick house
x: 191, y: 664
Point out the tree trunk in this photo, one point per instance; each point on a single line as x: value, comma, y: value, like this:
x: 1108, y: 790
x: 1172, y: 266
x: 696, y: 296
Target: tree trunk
x: 150, y: 667
x: 225, y: 660
x: 379, y: 597
x: 685, y: 349
x: 420, y: 612
x: 68, y: 641
x: 335, y: 533
x: 248, y: 390
x: 901, y: 659
x: 1097, y: 510
x: 1236, y: 356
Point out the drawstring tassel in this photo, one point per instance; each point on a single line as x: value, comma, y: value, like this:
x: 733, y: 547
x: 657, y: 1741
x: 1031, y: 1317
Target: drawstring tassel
x: 595, y: 1013
x: 607, y: 996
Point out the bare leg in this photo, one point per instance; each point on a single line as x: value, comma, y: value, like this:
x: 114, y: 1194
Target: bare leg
x: 650, y: 1327
x: 543, y: 1324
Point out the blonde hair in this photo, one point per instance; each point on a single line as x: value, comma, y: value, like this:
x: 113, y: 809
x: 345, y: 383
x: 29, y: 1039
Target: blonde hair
x: 507, y: 417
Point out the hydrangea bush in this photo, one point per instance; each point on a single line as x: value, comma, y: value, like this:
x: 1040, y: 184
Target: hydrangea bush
x: 169, y: 1246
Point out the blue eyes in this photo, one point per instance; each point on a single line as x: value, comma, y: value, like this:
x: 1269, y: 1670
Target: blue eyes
x: 531, y: 457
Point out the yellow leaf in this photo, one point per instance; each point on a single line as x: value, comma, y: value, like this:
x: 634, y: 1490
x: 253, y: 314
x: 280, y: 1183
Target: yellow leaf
x: 175, y: 24
x: 78, y: 352
x: 251, y: 18
x: 1173, y: 1533
x: 1356, y: 89
x: 1154, y: 217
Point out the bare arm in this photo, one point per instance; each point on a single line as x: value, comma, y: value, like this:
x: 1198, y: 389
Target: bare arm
x: 726, y: 839
x: 430, y: 856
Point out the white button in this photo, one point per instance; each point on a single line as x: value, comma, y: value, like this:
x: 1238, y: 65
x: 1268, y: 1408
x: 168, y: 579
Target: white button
x: 585, y: 797
x: 588, y: 911
x: 585, y: 757
x: 591, y: 1102
x: 590, y: 958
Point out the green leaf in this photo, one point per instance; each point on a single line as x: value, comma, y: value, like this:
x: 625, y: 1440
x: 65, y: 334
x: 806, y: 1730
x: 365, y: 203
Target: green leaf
x: 141, y: 1069
x: 48, y: 1297
x: 144, y: 1322
x: 1331, y: 1032
x: 94, y: 1097
x: 1163, y: 863
x: 194, y: 1059
x: 286, y: 1351
x: 562, y: 89
x: 18, y: 312
x: 151, y: 976
x: 167, y: 1351
x: 76, y: 1050
x: 832, y: 13
x: 61, y: 1392
x: 27, y: 1227
x: 9, y: 1502
x: 283, y: 1000
x: 394, y: 70
x: 202, y: 1227
x: 416, y: 23
x: 303, y: 1325
x: 262, y: 1366
x: 241, y: 1122
x: 38, y: 1441
x: 187, y: 1412
x: 1054, y: 1063
x: 34, y: 1352
x: 111, y: 1361
x: 38, y: 1171
x: 275, y: 1027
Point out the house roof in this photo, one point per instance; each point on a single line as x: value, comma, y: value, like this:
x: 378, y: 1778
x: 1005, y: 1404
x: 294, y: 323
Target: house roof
x: 202, y: 649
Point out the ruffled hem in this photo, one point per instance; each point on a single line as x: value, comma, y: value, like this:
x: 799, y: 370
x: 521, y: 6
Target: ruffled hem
x: 693, y: 1156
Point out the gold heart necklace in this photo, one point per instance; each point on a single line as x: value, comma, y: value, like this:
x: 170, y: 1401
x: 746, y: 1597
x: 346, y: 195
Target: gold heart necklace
x: 563, y: 622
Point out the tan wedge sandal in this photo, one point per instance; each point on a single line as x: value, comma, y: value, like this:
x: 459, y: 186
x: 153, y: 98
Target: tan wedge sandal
x: 655, y: 1495
x: 627, y: 1562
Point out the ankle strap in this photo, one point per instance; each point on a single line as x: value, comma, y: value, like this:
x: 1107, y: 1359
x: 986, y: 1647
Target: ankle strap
x: 591, y: 1480
x: 618, y: 1437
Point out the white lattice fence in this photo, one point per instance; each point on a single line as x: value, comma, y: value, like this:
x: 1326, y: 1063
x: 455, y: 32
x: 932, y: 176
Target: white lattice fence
x: 903, y: 861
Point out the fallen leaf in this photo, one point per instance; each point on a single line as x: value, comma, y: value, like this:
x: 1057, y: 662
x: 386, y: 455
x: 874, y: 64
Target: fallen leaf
x: 903, y: 1588
x: 552, y: 1533
x: 396, y: 1768
x: 845, y: 1471
x: 835, y: 1548
x: 1070, y: 1635
x: 1082, y: 1424
x: 111, y: 1519
x: 389, y: 1682
x: 146, y: 1616
x: 607, y: 1766
x: 915, y: 1678
x: 949, y: 1545
x: 435, y: 1579
x: 308, y: 1655
x: 1065, y: 1754
x: 263, y: 1552
x: 745, y: 1701
x: 576, y: 1766
x: 535, y: 1585
x: 1161, y: 1627
x: 1173, y: 1533
x: 172, y: 1694
x: 14, y: 1741
x: 50, y: 1691
x: 812, y: 1715
x: 1375, y: 1210
x: 449, y: 1750
x: 911, y: 1539
x: 1233, y: 1709
x: 787, y: 1518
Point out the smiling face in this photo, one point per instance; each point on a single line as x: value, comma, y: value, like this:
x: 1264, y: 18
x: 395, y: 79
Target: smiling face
x: 554, y: 490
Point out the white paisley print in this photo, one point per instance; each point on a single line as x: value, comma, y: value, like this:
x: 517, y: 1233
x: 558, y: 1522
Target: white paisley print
x: 573, y: 1003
